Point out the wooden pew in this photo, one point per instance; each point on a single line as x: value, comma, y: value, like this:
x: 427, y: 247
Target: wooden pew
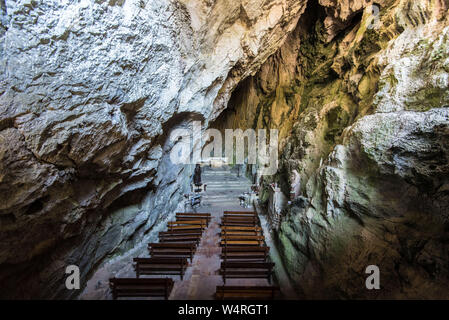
x: 237, y: 218
x: 172, y: 249
x: 253, y: 253
x: 240, y: 216
x: 160, y: 266
x: 238, y: 224
x: 243, y: 222
x: 184, y: 238
x: 199, y: 214
x: 193, y: 216
x: 248, y: 213
x: 246, y: 292
x: 181, y: 233
x: 243, y: 233
x: 240, y: 242
x: 240, y: 228
x: 251, y: 222
x: 187, y: 219
x: 230, y: 237
x: 187, y: 225
x: 140, y: 287
x: 246, y: 270
x: 189, y: 222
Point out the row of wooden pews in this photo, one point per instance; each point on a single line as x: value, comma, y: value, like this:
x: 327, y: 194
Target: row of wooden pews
x: 244, y: 255
x: 170, y: 256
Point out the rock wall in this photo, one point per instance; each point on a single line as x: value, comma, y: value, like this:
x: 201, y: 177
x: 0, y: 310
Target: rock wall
x: 363, y: 113
x: 89, y: 92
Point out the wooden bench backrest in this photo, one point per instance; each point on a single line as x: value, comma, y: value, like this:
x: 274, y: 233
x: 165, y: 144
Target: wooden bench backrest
x: 239, y: 221
x: 238, y: 218
x: 242, y: 233
x: 172, y: 245
x: 239, y: 224
x: 188, y: 218
x: 246, y: 249
x: 239, y: 212
x: 185, y: 238
x: 242, y: 242
x: 157, y: 260
x: 242, y: 237
x: 206, y: 214
x: 187, y: 227
x: 247, y: 265
x: 255, y: 228
x: 187, y: 222
x: 141, y: 281
x: 181, y: 232
x: 140, y: 287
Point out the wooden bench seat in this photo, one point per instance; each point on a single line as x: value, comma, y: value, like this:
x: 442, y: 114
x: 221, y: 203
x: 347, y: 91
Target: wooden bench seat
x: 181, y: 233
x: 243, y: 223
x: 160, y: 266
x: 140, y: 287
x: 172, y: 249
x: 189, y: 222
x: 246, y: 292
x: 193, y: 216
x: 246, y: 270
x: 180, y: 219
x: 240, y: 216
x: 241, y: 257
x: 187, y: 225
x: 205, y: 214
x: 180, y: 238
x: 242, y: 233
x: 240, y: 219
x: 238, y: 224
x: 263, y: 249
x: 241, y: 228
x: 242, y: 237
x: 246, y: 253
x: 224, y: 242
x: 244, y: 240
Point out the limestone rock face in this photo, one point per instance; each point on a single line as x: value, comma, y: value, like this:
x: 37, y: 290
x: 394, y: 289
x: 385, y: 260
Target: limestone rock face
x: 340, y: 13
x: 363, y: 116
x: 89, y: 91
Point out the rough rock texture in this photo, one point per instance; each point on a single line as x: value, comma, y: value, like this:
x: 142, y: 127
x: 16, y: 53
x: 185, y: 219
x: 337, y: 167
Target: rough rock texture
x: 89, y: 91
x: 363, y: 115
